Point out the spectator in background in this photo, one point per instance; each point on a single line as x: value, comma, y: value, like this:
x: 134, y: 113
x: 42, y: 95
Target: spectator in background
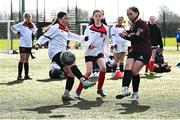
x: 156, y: 40
x: 178, y: 38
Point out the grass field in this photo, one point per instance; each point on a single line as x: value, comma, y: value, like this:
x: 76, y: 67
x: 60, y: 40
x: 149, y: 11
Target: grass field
x: 4, y: 43
x: 40, y: 98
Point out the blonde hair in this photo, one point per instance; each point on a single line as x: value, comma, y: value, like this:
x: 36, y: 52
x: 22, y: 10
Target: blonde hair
x: 27, y: 13
x: 120, y: 18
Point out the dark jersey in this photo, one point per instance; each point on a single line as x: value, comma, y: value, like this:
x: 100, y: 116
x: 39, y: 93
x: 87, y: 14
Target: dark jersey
x: 139, y: 37
x: 155, y: 35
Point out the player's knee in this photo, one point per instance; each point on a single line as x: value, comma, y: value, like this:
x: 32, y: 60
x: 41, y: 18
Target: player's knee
x: 103, y: 69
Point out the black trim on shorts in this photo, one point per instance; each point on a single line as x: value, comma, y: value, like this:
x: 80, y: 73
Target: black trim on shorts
x: 139, y: 56
x: 25, y: 49
x: 94, y: 58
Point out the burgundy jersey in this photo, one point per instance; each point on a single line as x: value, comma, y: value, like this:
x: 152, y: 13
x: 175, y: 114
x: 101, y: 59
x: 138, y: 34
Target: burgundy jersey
x: 139, y: 37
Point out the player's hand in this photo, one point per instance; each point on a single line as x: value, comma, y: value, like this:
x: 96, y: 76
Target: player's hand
x: 115, y: 47
x: 92, y: 46
x: 19, y: 34
x: 86, y: 38
x: 123, y: 34
x: 37, y: 46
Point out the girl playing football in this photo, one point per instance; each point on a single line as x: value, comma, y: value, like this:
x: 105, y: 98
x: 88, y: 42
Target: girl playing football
x: 97, y: 35
x: 57, y: 35
x: 140, y: 54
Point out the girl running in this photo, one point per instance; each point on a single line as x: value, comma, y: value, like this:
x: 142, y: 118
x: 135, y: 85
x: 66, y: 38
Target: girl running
x: 97, y: 35
x: 139, y: 56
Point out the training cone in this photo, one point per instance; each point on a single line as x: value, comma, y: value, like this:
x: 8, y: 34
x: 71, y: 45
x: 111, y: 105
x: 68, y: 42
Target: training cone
x: 118, y: 74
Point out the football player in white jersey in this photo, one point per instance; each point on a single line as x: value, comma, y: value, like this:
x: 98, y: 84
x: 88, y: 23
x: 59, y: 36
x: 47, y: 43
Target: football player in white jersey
x: 97, y: 41
x: 57, y: 35
x: 25, y: 29
x: 120, y: 45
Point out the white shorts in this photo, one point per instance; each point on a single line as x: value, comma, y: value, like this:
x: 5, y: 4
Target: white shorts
x: 123, y: 47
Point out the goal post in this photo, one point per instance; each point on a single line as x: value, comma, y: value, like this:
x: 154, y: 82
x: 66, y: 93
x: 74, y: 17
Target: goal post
x: 6, y: 36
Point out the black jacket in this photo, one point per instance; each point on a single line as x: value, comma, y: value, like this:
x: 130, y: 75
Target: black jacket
x: 155, y: 35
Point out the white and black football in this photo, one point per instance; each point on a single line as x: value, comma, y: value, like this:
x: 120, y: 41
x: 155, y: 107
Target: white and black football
x: 67, y: 58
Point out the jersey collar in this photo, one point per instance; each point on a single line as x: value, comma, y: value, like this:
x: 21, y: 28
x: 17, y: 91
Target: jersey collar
x: 101, y: 29
x: 63, y: 28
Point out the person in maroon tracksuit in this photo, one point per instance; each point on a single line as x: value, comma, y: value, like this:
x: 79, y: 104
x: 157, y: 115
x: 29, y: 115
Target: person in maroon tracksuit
x: 139, y: 56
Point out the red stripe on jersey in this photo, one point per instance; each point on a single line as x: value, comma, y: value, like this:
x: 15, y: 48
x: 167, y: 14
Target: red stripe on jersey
x: 28, y: 24
x: 120, y: 26
x: 101, y: 29
x: 63, y: 28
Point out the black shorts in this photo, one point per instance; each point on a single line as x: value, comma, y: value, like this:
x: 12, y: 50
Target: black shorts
x: 93, y: 58
x: 25, y: 49
x: 56, y: 59
x: 139, y: 56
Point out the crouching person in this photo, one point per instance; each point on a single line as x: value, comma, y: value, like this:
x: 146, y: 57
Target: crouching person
x: 56, y: 72
x: 57, y: 36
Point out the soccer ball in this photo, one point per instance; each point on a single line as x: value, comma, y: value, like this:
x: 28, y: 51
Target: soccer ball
x: 67, y: 58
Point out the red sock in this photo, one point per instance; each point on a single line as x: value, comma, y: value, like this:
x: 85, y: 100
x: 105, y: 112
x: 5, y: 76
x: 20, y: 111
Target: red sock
x: 151, y: 65
x: 147, y: 67
x: 101, y: 80
x: 80, y: 87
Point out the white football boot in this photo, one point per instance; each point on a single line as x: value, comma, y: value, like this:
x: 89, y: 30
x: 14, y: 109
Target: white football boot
x: 87, y: 84
x: 134, y: 96
x: 124, y: 93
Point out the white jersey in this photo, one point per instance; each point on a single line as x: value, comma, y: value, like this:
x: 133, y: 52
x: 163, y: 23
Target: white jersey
x: 26, y: 33
x: 98, y: 37
x: 122, y: 44
x: 57, y: 36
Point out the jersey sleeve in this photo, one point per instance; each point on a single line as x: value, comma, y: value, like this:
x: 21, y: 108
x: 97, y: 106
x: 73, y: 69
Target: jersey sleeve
x: 86, y: 34
x: 75, y: 37
x: 139, y: 34
x: 112, y: 35
x: 47, y: 36
x: 16, y: 28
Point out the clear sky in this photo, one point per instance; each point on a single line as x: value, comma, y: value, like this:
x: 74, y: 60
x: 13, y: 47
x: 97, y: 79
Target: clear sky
x: 112, y: 8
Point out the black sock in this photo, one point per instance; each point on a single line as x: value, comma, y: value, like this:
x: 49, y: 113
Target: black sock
x: 20, y: 68
x: 121, y: 67
x: 135, y: 82
x: 69, y: 83
x: 114, y: 67
x: 26, y: 68
x: 127, y: 78
x: 76, y: 72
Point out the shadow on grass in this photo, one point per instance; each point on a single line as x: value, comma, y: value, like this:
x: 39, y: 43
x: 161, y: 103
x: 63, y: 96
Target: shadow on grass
x: 12, y: 82
x: 114, y: 79
x: 57, y: 116
x: 83, y: 105
x: 133, y: 107
x: 86, y: 105
x: 151, y: 76
x: 49, y: 80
